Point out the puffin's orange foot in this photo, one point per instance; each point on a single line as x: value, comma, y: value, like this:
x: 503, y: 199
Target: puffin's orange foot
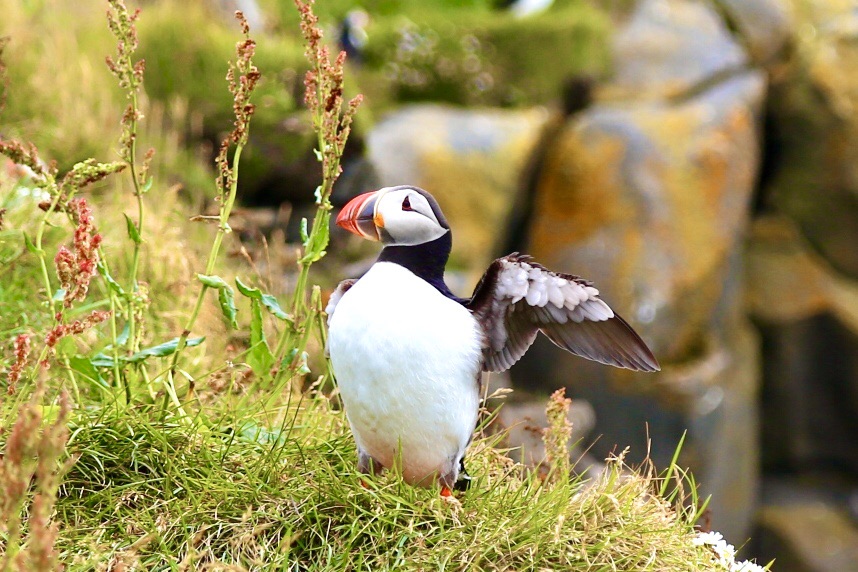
x: 446, y: 492
x: 364, y: 484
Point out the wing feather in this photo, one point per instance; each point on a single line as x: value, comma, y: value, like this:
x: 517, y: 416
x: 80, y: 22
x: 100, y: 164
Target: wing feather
x: 517, y: 298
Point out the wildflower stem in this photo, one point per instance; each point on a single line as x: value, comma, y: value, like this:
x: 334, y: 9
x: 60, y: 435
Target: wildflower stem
x: 40, y: 231
x: 114, y: 336
x: 135, y: 260
x: 222, y: 230
x: 227, y: 180
x: 324, y: 98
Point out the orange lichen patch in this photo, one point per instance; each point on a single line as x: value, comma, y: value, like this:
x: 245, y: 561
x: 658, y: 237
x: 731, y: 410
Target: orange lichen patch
x: 786, y: 281
x: 703, y: 220
x: 578, y: 193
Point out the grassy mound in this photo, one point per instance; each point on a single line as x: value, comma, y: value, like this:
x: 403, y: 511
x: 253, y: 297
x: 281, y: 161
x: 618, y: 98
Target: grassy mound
x: 160, y: 496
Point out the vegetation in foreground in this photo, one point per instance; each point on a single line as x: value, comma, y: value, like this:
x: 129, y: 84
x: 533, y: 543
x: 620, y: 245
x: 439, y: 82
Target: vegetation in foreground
x: 160, y: 410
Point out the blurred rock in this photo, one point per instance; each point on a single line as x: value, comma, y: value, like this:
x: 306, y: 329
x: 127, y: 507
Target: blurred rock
x: 813, y: 175
x: 787, y: 281
x: 649, y: 201
x: 648, y: 194
x: 469, y: 160
x: 808, y: 317
x: 764, y: 25
x: 807, y: 537
x: 669, y: 47
x: 252, y: 12
x: 810, y: 397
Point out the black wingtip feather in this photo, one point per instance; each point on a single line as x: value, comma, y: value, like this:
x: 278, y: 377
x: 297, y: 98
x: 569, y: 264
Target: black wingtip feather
x: 612, y: 342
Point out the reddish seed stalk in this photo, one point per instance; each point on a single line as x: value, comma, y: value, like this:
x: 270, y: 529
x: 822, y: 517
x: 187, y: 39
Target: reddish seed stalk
x: 242, y: 78
x: 323, y: 95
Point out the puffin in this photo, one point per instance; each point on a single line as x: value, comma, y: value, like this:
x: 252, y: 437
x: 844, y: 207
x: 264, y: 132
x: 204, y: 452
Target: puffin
x: 408, y: 354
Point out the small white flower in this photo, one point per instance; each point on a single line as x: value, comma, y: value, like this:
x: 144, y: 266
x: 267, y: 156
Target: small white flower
x: 726, y: 553
x: 707, y: 538
x: 746, y: 566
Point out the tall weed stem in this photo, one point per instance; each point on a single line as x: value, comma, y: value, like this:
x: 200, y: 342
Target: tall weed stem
x: 130, y: 76
x: 323, y: 96
x: 242, y: 77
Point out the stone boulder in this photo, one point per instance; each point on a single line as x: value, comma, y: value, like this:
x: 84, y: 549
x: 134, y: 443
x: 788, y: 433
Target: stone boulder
x: 469, y: 160
x: 813, y: 135
x: 648, y: 193
x: 650, y: 202
x: 765, y: 26
x: 807, y: 537
x: 669, y: 47
x: 808, y: 317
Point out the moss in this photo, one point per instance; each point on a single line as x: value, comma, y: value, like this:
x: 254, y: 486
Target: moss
x: 480, y: 58
x: 193, y: 65
x: 331, y: 12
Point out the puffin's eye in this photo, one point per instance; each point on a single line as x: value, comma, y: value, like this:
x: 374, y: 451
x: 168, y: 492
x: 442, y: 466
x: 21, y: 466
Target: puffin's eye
x: 406, y: 205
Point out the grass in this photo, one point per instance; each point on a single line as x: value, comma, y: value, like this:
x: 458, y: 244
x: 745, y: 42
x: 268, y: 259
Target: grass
x: 164, y: 498
x: 125, y: 451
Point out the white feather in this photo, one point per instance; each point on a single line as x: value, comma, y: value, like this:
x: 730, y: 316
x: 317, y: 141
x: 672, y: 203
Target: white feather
x: 555, y: 295
x: 406, y: 360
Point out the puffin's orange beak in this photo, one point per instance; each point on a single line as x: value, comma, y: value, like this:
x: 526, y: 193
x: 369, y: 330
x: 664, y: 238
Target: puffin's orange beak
x: 359, y: 216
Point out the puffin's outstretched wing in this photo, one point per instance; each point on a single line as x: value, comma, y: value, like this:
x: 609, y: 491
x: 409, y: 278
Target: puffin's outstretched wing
x: 516, y: 298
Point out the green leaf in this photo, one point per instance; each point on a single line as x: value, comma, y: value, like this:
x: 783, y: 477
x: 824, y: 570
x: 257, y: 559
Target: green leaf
x: 147, y: 186
x: 111, y: 283
x: 133, y: 231
x: 314, y: 249
x: 122, y: 338
x: 212, y: 281
x: 246, y: 290
x: 32, y: 247
x: 259, y: 357
x: 162, y: 350
x: 273, y: 307
x: 59, y: 295
x: 303, y: 369
x: 255, y: 433
x: 101, y: 360
x: 268, y: 300
x: 86, y: 369
x: 225, y: 296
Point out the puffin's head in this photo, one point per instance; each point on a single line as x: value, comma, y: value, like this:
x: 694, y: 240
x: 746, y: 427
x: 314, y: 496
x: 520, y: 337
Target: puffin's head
x: 395, y: 216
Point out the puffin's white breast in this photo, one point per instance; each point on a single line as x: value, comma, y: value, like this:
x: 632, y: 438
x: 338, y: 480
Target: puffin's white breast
x: 407, y: 361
